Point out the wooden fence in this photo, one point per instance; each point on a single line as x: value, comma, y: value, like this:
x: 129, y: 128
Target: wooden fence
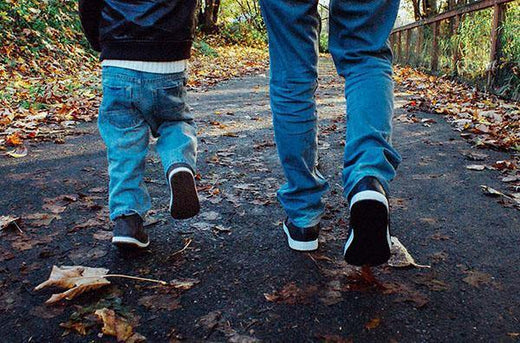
x: 403, y: 53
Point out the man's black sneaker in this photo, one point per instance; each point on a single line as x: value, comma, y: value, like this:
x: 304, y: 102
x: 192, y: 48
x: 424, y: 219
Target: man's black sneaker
x: 368, y: 241
x: 184, y: 200
x: 301, y: 239
x: 129, y: 232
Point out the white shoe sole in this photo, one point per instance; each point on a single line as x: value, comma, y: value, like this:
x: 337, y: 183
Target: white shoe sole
x: 299, y: 245
x: 129, y: 241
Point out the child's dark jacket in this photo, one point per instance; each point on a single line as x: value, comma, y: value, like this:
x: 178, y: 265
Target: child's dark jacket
x: 142, y: 30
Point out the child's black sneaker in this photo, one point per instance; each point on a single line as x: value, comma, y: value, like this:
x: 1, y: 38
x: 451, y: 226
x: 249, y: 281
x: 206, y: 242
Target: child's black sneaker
x: 368, y: 241
x: 301, y: 239
x: 184, y: 200
x: 129, y: 232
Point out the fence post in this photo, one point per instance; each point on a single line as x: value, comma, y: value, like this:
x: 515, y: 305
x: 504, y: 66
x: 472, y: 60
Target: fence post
x: 407, y: 46
x: 495, y: 54
x: 456, y: 45
x: 435, y: 47
x: 399, y: 55
x: 419, y: 47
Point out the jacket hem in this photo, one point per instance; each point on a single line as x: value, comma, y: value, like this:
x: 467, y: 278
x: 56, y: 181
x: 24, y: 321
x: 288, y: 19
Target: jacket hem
x: 146, y: 51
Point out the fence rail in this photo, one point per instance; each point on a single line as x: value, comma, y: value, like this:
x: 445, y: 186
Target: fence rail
x: 456, y: 16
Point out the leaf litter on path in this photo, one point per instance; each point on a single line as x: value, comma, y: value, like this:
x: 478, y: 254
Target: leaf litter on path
x: 79, y: 279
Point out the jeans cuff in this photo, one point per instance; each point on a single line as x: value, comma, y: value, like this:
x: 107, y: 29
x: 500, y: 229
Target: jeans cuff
x: 117, y: 214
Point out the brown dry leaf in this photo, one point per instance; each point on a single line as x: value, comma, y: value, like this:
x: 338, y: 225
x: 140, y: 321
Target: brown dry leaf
x: 373, y: 323
x: 166, y: 302
x: 103, y: 235
x: 183, y: 284
x: 41, y: 219
x: 332, y: 293
x: 476, y: 278
x: 291, y: 294
x: 78, y: 327
x: 432, y: 283
x: 46, y: 312
x: 6, y: 221
x: 119, y: 327
x: 406, y: 294
x: 210, y: 321
x: 78, y: 278
x: 92, y: 222
x: 400, y: 257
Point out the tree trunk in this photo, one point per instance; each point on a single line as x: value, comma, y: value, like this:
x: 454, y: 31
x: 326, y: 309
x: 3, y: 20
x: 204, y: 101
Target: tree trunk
x: 208, y: 16
x: 416, y: 10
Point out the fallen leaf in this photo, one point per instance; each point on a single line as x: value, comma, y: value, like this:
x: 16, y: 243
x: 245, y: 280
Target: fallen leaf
x: 183, y: 284
x: 78, y: 327
x: 291, y: 294
x: 477, y: 279
x: 78, y: 279
x: 406, y: 294
x: 102, y: 235
x: 41, y: 219
x: 92, y: 222
x: 372, y: 324
x: 478, y: 167
x: 220, y: 228
x: 332, y: 293
x: 400, y: 257
x: 119, y: 327
x: 475, y: 156
x: 19, y: 152
x: 46, y: 312
x: 210, y: 321
x: 211, y: 215
x: 166, y: 302
x: 433, y: 284
x: 491, y: 191
x: 7, y: 221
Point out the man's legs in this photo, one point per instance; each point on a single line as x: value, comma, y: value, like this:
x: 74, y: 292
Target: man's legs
x: 358, y: 42
x: 293, y: 35
x: 359, y: 33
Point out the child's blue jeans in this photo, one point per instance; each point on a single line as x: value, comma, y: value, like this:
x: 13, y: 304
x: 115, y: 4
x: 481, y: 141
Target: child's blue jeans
x: 358, y: 42
x: 134, y: 104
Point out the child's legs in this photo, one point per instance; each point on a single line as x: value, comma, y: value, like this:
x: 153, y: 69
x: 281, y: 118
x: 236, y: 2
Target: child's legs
x: 174, y: 124
x: 292, y: 27
x: 126, y: 136
x: 359, y: 33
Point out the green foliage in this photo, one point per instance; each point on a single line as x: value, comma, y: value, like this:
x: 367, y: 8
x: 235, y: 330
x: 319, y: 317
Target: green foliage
x: 41, y: 25
x: 204, y: 48
x: 241, y: 23
x: 324, y: 42
x: 243, y: 34
x: 511, y: 34
x: 472, y: 41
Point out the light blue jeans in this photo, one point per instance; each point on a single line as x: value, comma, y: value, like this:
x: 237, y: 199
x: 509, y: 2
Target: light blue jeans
x: 358, y: 42
x: 134, y: 105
